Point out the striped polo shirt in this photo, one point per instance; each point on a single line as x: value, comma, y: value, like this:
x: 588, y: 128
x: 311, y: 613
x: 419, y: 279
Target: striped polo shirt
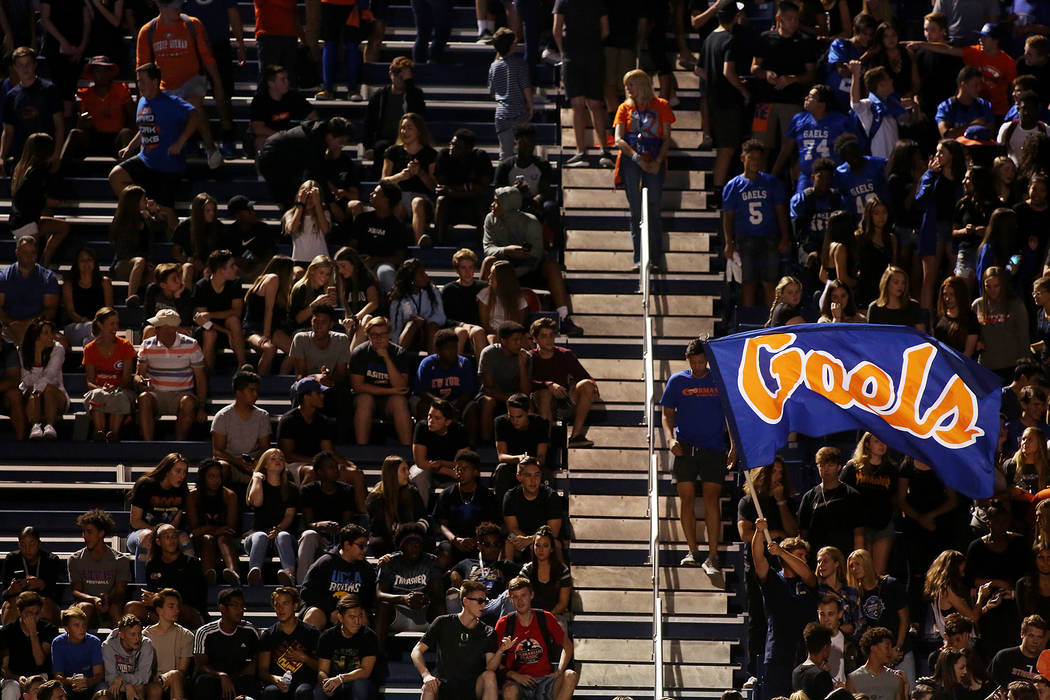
x: 171, y: 369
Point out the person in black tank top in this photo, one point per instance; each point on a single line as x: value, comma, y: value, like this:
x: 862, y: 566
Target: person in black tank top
x: 213, y: 518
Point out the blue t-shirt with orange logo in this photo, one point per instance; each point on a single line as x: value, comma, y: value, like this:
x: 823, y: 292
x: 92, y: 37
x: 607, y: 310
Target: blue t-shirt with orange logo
x: 699, y: 420
x: 160, y: 122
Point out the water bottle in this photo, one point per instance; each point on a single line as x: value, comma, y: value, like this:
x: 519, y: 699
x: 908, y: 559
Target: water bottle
x: 287, y: 678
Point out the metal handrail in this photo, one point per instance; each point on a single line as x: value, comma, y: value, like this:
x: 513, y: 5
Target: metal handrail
x: 648, y: 364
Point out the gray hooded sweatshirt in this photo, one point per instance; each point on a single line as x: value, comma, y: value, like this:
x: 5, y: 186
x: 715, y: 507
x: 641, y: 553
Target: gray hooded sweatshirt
x: 515, y: 227
x: 135, y: 667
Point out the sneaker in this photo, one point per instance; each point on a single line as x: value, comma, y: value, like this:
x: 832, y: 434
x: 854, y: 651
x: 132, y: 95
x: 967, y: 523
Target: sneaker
x: 325, y: 95
x: 37, y: 433
x: 231, y: 577
x: 425, y: 241
x: 710, y: 567
x: 552, y: 57
x: 691, y: 559
x: 569, y: 328
x: 708, y: 142
x: 133, y: 302
x: 228, y: 148
x: 255, y: 576
x: 210, y: 577
x: 285, y: 578
x: 750, y: 682
x: 580, y: 441
x: 484, y: 37
x: 576, y: 160
x: 214, y: 156
x: 607, y: 160
x: 50, y: 433
x: 355, y: 97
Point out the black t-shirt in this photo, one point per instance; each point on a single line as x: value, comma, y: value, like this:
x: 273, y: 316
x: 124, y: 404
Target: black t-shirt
x: 306, y: 436
x: 366, y: 362
x: 346, y: 653
x: 331, y: 577
x: 1010, y: 564
x: 228, y: 653
x: 532, y: 514
x: 184, y: 574
x: 29, y: 200
x: 811, y: 679
x: 877, y: 486
x: 828, y: 517
x: 440, y: 446
x: 327, y: 506
x: 782, y: 313
x: 31, y: 109
x: 274, y: 505
x: 256, y: 241
x: 460, y: 650
x: 720, y: 48
x: 1012, y: 665
x: 935, y: 92
x: 1041, y: 73
x: 16, y: 644
x: 378, y: 236
x: 303, y: 639
x: 473, y: 167
x: 464, y: 514
x: 881, y: 605
x: 49, y: 568
x: 789, y: 605
x: 521, y: 442
x: 159, y: 504
x: 461, y: 303
x: 279, y: 114
x: 925, y: 489
x: 583, y: 38
x: 401, y: 158
x: 494, y: 574
x: 953, y: 332
x: 155, y: 301
x: 623, y: 23
x: 784, y: 56
x: 909, y: 315
x: 204, y: 294
x: 68, y: 18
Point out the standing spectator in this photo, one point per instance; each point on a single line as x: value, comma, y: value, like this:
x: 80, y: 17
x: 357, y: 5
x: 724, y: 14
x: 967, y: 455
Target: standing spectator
x: 85, y: 292
x: 340, y: 572
x: 829, y: 514
x: 273, y: 499
x: 165, y: 124
x: 966, y: 108
x: 240, y: 431
x: 380, y: 375
x: 504, y: 370
x: 643, y: 137
x: 562, y: 384
x: 860, y: 177
x: 347, y: 654
x: 699, y: 449
x: 784, y: 69
x: 931, y: 63
x: 956, y: 324
x: 874, y: 475
x: 881, y: 114
x: 158, y: 498
x: 435, y: 444
x: 416, y: 309
x: 213, y: 517
x: 218, y: 20
x: 307, y: 223
x: 1035, y: 61
x: 31, y: 187
x: 410, y: 165
x: 27, y: 643
x: 462, y: 507
x: 276, y: 106
x: 181, y: 385
x: 510, y: 87
x: 755, y: 222
x: 276, y: 35
x: 459, y: 297
x: 788, y: 599
x: 182, y: 54
x: 378, y: 235
x: 843, y: 50
x: 894, y: 306
x: 342, y: 29
x: 31, y: 568
x: 172, y: 643
x: 1004, y: 323
x: 42, y: 384
x: 463, y: 174
x: 220, y: 303
x: 811, y: 134
x: 1012, y: 133
x: 466, y: 664
x: 411, y: 589
x: 75, y: 653
x: 728, y: 98
x: 326, y: 505
x: 874, y: 677
x: 98, y: 574
x: 531, y: 662
x: 845, y: 655
x: 66, y: 29
x: 28, y: 291
x: 939, y: 191
x: 387, y: 106
x: 966, y: 17
x: 224, y: 651
x: 393, y: 501
x: 579, y: 28
x: 528, y: 507
x: 288, y: 158
x: 883, y: 605
x: 32, y: 106
x: 518, y: 434
x: 128, y: 659
x: 287, y: 646
x: 812, y: 676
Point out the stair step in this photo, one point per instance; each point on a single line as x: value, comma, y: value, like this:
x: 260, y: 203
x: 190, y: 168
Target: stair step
x: 641, y: 651
x: 641, y: 602
x: 633, y: 675
x: 640, y: 577
x: 671, y: 201
x: 613, y: 261
x: 631, y: 304
x: 673, y: 180
x: 675, y: 241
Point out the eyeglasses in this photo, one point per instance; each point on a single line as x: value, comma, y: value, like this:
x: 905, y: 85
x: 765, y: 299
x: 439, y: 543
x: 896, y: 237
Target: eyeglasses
x: 479, y: 601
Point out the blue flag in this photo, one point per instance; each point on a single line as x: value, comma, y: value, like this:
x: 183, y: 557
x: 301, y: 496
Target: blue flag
x: 919, y: 396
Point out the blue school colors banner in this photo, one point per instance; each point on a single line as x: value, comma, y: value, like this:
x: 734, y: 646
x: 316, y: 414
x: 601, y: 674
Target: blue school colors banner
x: 914, y: 393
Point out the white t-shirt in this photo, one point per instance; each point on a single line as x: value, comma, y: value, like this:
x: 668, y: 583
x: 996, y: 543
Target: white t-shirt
x: 496, y: 313
x: 886, y: 137
x: 1013, y: 149
x: 835, y: 666
x: 310, y: 242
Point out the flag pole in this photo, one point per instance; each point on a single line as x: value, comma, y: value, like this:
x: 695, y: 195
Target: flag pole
x: 754, y: 499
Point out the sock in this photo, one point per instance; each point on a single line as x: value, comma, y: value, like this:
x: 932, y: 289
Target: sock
x: 489, y: 24
x: 563, y: 312
x: 481, y: 26
x: 329, y: 61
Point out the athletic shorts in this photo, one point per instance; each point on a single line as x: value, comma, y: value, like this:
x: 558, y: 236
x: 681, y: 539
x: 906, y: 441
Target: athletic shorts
x: 708, y: 466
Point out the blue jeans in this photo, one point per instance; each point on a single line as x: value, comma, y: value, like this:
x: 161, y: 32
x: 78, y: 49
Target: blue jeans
x: 633, y: 180
x: 303, y: 691
x: 433, y: 17
x: 141, y: 554
x: 257, y: 545
x: 355, y: 690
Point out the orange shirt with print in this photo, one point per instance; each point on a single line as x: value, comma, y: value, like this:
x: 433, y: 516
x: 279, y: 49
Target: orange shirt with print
x: 275, y: 17
x: 108, y: 112
x: 997, y: 72
x: 174, y: 51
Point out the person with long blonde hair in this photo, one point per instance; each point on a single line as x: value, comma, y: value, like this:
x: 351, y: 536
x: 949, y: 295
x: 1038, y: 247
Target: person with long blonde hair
x: 894, y: 305
x: 883, y: 603
x: 502, y: 300
x: 1029, y: 468
x: 409, y: 164
x: 946, y: 590
x: 643, y: 137
x: 307, y: 223
x: 312, y: 289
x: 874, y: 475
x: 787, y: 303
x: 832, y: 580
x: 273, y: 500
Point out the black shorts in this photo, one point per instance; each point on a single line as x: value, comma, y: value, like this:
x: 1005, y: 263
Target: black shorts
x: 584, y: 77
x: 728, y: 126
x: 708, y: 466
x: 159, y: 185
